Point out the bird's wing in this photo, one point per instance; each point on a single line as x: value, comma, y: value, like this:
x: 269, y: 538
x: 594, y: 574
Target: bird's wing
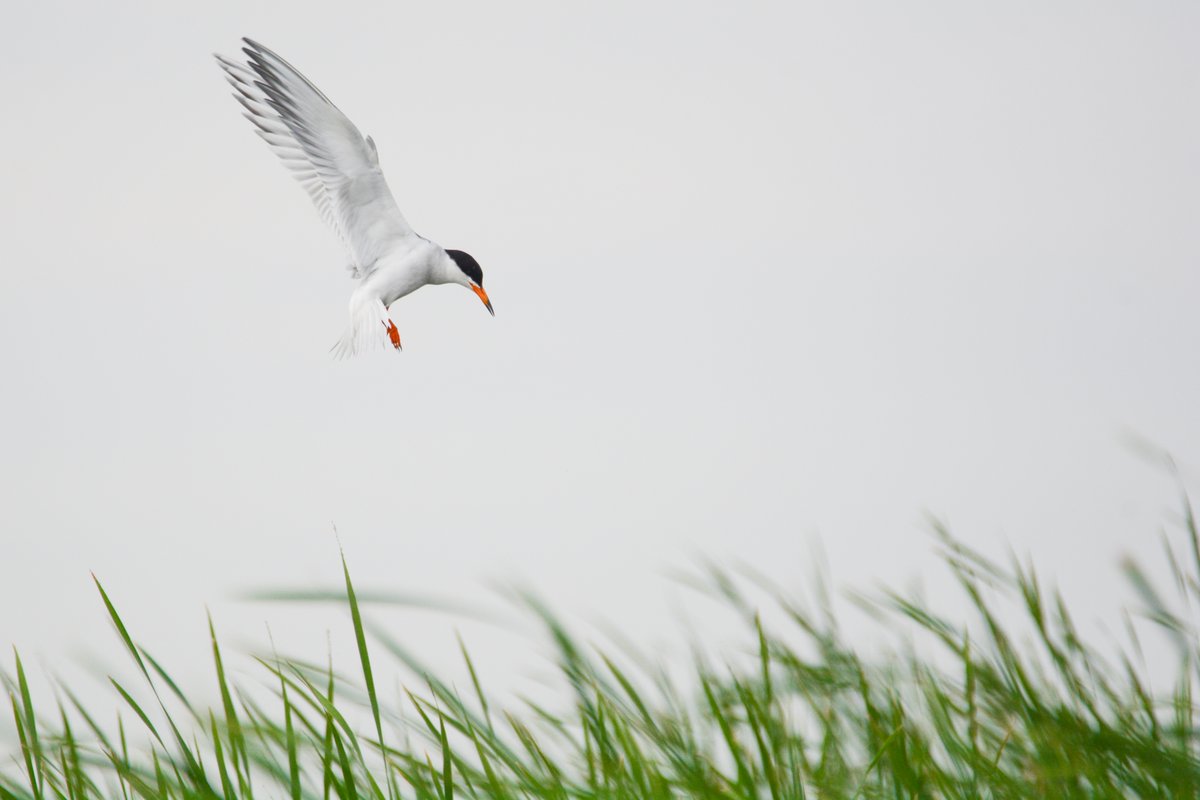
x: 325, y: 152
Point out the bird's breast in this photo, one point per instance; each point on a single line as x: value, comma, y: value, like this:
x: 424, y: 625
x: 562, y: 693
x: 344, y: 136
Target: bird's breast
x: 397, y: 278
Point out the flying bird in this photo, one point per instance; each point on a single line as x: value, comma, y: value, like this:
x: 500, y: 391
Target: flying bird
x: 339, y: 168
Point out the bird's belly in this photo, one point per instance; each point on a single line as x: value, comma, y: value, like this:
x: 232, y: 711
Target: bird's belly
x: 399, y: 285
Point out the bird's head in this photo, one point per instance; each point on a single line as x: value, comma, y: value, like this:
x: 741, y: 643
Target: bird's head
x: 469, y: 274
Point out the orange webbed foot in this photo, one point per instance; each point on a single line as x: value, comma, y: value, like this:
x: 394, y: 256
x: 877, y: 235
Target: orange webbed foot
x: 394, y: 335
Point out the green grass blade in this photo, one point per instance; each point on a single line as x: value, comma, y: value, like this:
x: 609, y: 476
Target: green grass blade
x: 293, y: 759
x: 31, y: 746
x: 219, y: 751
x: 31, y: 771
x: 447, y: 765
x: 237, y: 742
x: 364, y: 656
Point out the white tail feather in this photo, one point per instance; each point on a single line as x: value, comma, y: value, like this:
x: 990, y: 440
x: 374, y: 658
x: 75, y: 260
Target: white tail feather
x: 367, y: 329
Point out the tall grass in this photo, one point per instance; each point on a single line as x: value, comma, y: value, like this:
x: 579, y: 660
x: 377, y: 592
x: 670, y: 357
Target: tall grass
x: 1013, y: 704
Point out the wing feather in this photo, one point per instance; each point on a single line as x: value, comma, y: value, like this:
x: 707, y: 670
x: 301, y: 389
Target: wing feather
x: 334, y: 163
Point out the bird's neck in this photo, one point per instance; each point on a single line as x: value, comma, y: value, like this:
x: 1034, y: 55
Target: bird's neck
x: 443, y: 269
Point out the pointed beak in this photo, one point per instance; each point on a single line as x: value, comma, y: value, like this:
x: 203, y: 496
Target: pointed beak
x: 483, y: 296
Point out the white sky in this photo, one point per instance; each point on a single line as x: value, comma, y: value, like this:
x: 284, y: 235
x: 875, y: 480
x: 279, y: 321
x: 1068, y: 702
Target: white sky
x: 762, y: 273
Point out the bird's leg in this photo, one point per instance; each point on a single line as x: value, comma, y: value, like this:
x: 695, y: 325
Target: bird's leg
x: 393, y: 334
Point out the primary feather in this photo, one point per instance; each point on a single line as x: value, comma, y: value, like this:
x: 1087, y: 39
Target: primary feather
x: 326, y: 153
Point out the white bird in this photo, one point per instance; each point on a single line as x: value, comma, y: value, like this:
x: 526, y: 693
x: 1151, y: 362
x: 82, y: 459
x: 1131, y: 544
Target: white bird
x: 339, y: 168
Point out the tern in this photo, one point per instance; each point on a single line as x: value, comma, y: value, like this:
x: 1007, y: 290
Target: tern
x: 339, y: 168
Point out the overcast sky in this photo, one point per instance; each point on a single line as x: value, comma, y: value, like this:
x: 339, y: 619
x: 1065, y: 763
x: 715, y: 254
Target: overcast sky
x: 764, y: 273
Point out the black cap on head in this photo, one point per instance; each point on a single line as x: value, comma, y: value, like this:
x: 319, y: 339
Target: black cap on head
x: 468, y: 265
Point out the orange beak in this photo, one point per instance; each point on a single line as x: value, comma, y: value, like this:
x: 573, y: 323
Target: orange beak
x: 483, y: 296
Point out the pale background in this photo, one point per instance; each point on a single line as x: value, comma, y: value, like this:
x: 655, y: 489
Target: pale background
x: 764, y: 275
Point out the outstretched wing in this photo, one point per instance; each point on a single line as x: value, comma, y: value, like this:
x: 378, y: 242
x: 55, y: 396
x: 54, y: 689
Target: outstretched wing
x: 331, y: 159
